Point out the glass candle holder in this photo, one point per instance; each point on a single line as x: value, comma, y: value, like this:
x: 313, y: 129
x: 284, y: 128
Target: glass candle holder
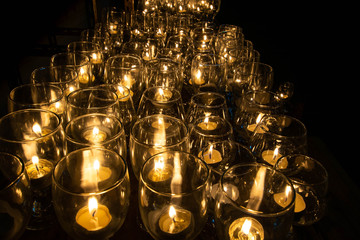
x: 97, y: 60
x: 172, y: 195
x: 92, y: 100
x: 206, y: 104
x: 252, y: 107
x: 260, y: 76
x: 15, y: 196
x: 64, y: 77
x: 310, y: 180
x: 161, y: 100
x: 276, y: 136
x: 254, y: 202
x: 209, y: 129
x: 91, y: 191
x: 40, y: 96
x: 79, y: 62
x: 154, y: 134
x: 98, y: 130
x: 163, y: 72
x: 126, y: 70
x: 37, y: 137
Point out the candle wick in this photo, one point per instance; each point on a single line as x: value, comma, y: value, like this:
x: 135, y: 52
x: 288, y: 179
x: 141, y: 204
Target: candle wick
x: 93, y: 213
x: 37, y: 168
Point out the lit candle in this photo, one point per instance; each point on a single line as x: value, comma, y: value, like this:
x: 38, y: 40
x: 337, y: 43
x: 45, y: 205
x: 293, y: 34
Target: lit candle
x: 253, y: 127
x: 197, y: 78
x: 211, y: 156
x: 161, y: 171
x: 246, y: 228
x: 103, y: 173
x: 96, y: 58
x: 83, y: 76
x: 39, y: 172
x: 163, y: 95
x: 175, y: 220
x: 283, y: 200
x: 94, y: 135
x: 160, y: 124
x: 271, y: 156
x: 127, y: 81
x: 94, y: 216
x: 122, y: 94
x: 57, y: 108
x: 206, y: 125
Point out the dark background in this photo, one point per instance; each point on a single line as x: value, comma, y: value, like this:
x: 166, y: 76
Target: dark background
x: 308, y: 45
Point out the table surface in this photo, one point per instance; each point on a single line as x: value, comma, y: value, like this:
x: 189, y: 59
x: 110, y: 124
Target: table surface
x: 340, y: 221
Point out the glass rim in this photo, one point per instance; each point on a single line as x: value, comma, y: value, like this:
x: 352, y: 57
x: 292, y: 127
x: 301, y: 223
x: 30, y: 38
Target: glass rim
x: 42, y: 84
x: 257, y: 212
x: 86, y: 43
x: 113, y: 137
x: 326, y: 177
x: 54, y: 131
x: 141, y: 179
x: 248, y: 94
x: 20, y: 175
x: 87, y: 60
x: 47, y: 68
x: 141, y: 120
x: 70, y: 95
x: 115, y: 85
x: 192, y: 100
x: 85, y: 194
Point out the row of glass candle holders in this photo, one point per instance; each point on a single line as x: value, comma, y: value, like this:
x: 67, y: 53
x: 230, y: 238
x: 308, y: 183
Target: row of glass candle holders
x: 177, y: 190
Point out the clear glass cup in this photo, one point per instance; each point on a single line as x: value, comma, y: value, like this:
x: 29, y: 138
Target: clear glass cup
x: 15, y: 196
x: 96, y: 56
x: 206, y: 130
x: 40, y: 96
x: 172, y: 195
x: 310, y: 180
x: 259, y: 75
x: 276, y: 136
x: 254, y: 201
x: 154, y: 134
x: 91, y: 191
x: 126, y: 70
x: 205, y: 104
x: 78, y: 61
x: 92, y: 100
x: 62, y: 76
x: 37, y: 137
x: 250, y: 110
x: 98, y: 130
x: 161, y: 100
x: 204, y: 10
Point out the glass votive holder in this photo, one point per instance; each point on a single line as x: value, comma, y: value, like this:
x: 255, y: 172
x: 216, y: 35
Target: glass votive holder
x: 37, y: 137
x: 163, y: 72
x: 64, y: 77
x: 79, y: 62
x: 98, y: 130
x: 203, y: 38
x: 15, y: 197
x: 260, y: 75
x: 161, y: 100
x: 92, y: 100
x: 90, y: 191
x: 205, y: 104
x: 37, y: 96
x: 126, y: 70
x: 310, y: 180
x: 254, y: 201
x: 172, y: 195
x: 154, y: 134
x: 252, y: 107
x: 276, y: 136
x: 206, y: 130
x: 95, y: 54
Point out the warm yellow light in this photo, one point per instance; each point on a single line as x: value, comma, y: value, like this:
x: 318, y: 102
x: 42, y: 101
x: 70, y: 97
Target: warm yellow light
x: 36, y: 128
x: 35, y: 160
x: 246, y: 226
x: 96, y: 165
x: 172, y: 212
x: 92, y: 205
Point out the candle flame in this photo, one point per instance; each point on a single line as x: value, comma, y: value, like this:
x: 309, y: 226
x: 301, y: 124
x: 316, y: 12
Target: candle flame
x: 35, y: 160
x: 198, y: 74
x: 161, y: 92
x: 206, y: 120
x: 172, y: 212
x: 258, y: 119
x: 96, y: 131
x: 159, y: 165
x: 36, y: 128
x: 92, y: 205
x: 96, y: 165
x: 246, y: 226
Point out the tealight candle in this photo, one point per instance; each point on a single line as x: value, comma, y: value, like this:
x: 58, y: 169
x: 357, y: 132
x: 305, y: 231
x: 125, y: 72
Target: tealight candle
x: 175, y: 220
x: 161, y: 171
x: 96, y: 58
x: 271, y: 156
x: 39, y: 172
x: 160, y: 124
x: 211, y: 156
x: 197, y: 78
x: 253, y: 127
x: 83, y: 76
x: 121, y: 93
x: 206, y: 125
x: 163, y: 95
x: 246, y: 228
x: 94, y: 216
x: 103, y: 173
x: 283, y: 200
x: 94, y: 135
